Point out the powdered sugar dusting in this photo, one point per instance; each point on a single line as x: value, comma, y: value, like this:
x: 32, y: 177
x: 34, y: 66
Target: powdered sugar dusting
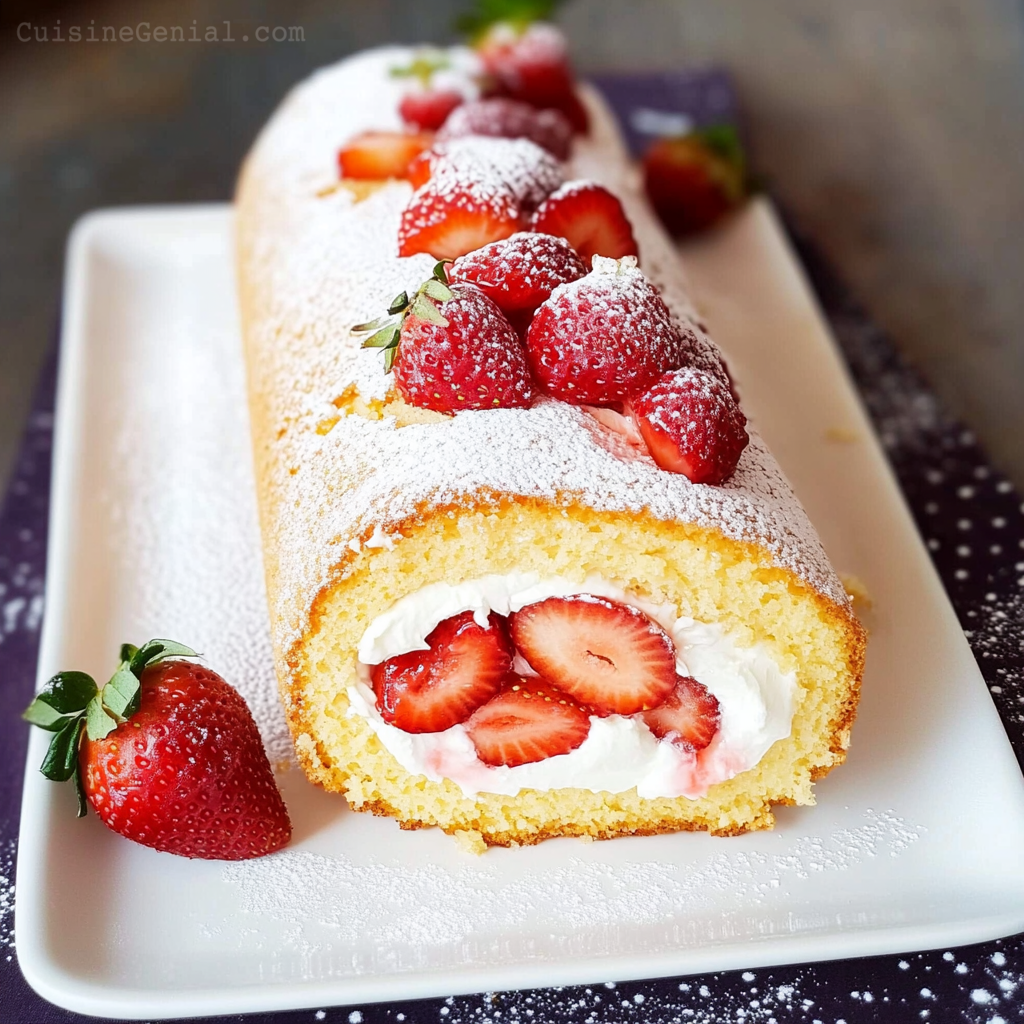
x: 511, y: 119
x: 177, y: 489
x: 365, y: 910
x: 493, y: 166
x: 316, y: 266
x: 7, y: 856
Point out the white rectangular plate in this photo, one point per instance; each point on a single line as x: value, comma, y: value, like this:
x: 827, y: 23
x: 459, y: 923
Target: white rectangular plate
x: 915, y: 843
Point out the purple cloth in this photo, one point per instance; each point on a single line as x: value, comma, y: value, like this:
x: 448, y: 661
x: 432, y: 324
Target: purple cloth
x: 945, y: 477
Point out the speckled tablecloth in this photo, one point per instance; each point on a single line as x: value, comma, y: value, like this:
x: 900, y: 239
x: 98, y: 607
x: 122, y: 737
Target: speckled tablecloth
x: 973, y: 523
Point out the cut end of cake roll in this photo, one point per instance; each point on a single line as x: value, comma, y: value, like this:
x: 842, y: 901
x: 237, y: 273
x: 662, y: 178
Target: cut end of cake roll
x: 706, y: 577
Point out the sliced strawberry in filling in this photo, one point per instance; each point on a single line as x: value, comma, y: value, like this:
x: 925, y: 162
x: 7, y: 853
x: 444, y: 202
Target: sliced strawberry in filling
x: 432, y: 690
x: 527, y: 721
x: 607, y: 655
x: 690, y: 716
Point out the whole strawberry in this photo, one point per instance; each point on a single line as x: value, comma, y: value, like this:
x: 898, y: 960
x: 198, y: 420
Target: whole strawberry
x: 167, y: 754
x: 509, y: 119
x: 520, y: 272
x: 451, y: 348
x: 695, y: 180
x: 603, y: 338
x: 424, y: 105
x: 530, y: 62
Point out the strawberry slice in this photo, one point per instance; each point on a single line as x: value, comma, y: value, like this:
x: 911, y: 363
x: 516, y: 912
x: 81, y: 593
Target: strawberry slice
x: 381, y: 154
x: 510, y: 119
x: 689, y: 717
x: 528, y: 721
x: 429, y: 109
x: 590, y: 218
x: 607, y: 655
x: 493, y: 163
x: 420, y: 168
x: 430, y: 691
x: 449, y: 217
x: 692, y: 425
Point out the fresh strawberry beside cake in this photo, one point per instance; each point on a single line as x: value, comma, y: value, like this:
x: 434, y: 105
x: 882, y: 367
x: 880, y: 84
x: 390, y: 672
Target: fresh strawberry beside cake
x: 531, y: 572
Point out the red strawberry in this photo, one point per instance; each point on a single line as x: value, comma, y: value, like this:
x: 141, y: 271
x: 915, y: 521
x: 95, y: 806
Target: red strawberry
x: 528, y: 721
x: 590, y: 217
x: 464, y: 355
x: 609, y: 656
x: 419, y: 170
x: 520, y: 272
x: 694, y: 181
x: 430, y: 691
x: 480, y: 161
x: 532, y: 64
x: 381, y: 154
x: 461, y: 354
x: 510, y: 119
x: 692, y: 425
x: 602, y: 338
x: 448, y: 218
x: 689, y: 717
x: 694, y: 348
x: 428, y: 109
x: 171, y: 757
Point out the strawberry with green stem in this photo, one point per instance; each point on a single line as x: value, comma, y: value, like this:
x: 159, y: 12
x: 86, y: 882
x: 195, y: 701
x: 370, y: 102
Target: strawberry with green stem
x: 451, y: 348
x: 694, y: 180
x: 166, y: 753
x: 525, y: 55
x: 425, y: 107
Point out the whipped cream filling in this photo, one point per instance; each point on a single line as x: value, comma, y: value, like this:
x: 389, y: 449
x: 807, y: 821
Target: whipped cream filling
x: 755, y: 699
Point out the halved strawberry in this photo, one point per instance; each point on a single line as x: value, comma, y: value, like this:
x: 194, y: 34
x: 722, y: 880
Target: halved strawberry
x: 692, y: 425
x: 509, y: 119
x: 607, y: 655
x: 420, y: 168
x: 528, y: 721
x: 488, y: 162
x: 690, y: 716
x: 590, y: 218
x: 381, y: 154
x: 520, y: 272
x: 448, y: 218
x: 429, y: 109
x: 430, y: 691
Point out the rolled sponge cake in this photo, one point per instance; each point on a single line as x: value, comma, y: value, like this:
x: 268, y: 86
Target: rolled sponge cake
x: 364, y: 502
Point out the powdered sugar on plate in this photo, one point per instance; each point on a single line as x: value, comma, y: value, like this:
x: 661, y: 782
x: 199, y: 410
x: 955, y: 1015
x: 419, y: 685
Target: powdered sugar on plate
x: 177, y: 488
x: 364, y: 912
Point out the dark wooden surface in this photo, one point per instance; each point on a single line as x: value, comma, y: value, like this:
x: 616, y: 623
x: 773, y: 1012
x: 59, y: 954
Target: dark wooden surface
x: 892, y: 130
